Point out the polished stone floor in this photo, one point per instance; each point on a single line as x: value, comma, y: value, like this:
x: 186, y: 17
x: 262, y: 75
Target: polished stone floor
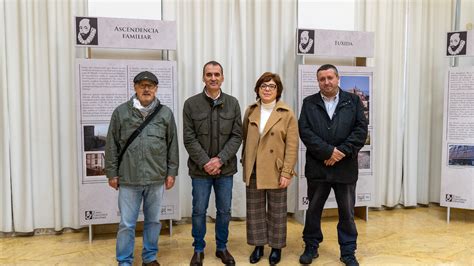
x: 391, y: 237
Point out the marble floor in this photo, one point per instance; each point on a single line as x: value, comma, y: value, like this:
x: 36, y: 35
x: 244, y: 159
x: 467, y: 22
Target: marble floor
x: 390, y: 237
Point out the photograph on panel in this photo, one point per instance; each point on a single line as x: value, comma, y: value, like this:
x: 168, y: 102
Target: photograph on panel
x: 86, y: 31
x: 360, y: 86
x: 456, y: 43
x: 95, y: 137
x: 305, y: 41
x: 461, y: 155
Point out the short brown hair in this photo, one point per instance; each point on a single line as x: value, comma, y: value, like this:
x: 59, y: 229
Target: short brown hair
x: 266, y: 77
x: 212, y: 63
x: 327, y: 67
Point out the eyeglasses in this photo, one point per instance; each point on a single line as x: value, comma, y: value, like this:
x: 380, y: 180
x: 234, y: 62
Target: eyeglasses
x: 147, y: 86
x: 270, y: 87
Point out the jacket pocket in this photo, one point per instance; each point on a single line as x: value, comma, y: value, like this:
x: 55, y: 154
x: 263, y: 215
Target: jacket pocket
x: 155, y: 139
x: 200, y: 122
x: 279, y: 164
x: 345, y: 121
x: 226, y: 122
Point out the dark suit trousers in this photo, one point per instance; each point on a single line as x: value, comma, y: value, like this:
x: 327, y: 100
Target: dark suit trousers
x: 318, y: 193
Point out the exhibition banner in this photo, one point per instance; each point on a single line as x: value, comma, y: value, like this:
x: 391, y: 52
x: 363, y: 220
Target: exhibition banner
x: 101, y: 86
x: 334, y: 43
x: 460, y: 43
x: 457, y: 167
x: 101, y: 32
x: 357, y: 80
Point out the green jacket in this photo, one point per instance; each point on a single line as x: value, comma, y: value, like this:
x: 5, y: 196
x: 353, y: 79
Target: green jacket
x: 152, y: 156
x: 212, y: 128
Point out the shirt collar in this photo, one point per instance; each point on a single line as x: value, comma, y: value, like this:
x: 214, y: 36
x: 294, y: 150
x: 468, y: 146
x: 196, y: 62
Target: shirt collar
x: 218, y: 95
x: 329, y: 99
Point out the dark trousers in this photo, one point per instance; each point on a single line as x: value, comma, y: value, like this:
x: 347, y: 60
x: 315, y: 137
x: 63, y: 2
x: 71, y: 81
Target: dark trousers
x: 318, y: 193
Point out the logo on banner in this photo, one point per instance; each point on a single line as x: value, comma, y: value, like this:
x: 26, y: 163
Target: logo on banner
x: 305, y: 201
x: 86, y: 31
x: 89, y: 215
x: 92, y: 215
x: 457, y: 43
x: 167, y: 210
x: 449, y: 197
x: 305, y: 41
x: 363, y: 197
x: 455, y: 198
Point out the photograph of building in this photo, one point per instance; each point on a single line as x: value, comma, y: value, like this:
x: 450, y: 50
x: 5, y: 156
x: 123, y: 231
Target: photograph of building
x: 95, y: 164
x: 461, y: 155
x: 364, y: 160
x: 94, y: 137
x: 360, y: 86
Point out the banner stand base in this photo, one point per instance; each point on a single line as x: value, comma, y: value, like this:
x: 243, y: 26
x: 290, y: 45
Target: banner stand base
x: 448, y: 215
x: 90, y: 234
x: 362, y: 212
x: 171, y: 227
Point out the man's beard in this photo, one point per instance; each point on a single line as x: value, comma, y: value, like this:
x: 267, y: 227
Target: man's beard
x: 454, y: 50
x: 87, y: 38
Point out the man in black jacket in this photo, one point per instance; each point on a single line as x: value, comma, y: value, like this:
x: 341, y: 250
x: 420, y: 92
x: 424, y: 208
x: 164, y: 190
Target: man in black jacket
x: 333, y: 128
x: 212, y: 134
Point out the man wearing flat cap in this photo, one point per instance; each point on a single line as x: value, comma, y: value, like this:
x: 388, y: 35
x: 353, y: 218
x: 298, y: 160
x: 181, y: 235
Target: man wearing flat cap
x: 141, y: 160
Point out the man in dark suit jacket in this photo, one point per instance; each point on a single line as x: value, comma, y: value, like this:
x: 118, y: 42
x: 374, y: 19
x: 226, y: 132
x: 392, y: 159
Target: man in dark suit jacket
x: 333, y: 128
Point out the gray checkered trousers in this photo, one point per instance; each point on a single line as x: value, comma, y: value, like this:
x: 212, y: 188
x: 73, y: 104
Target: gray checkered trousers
x: 266, y: 225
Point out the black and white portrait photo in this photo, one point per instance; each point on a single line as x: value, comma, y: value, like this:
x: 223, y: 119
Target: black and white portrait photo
x: 456, y: 43
x: 305, y: 41
x: 86, y: 31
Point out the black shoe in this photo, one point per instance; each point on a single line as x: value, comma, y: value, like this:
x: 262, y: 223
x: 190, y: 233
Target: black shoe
x: 349, y: 260
x: 275, y: 256
x: 151, y: 263
x: 197, y: 259
x: 225, y: 257
x: 256, y: 254
x: 310, y: 253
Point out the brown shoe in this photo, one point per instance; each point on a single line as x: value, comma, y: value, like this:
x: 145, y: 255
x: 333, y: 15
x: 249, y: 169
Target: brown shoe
x: 197, y: 259
x: 151, y: 263
x: 225, y: 257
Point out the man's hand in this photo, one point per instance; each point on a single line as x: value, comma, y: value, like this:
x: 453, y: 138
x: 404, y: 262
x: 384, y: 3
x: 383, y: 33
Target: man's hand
x: 169, y: 182
x: 335, y: 157
x: 114, y: 182
x: 213, y: 167
x: 284, y: 182
x: 329, y: 162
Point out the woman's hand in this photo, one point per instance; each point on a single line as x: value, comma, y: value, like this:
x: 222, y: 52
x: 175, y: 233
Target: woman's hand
x: 284, y: 182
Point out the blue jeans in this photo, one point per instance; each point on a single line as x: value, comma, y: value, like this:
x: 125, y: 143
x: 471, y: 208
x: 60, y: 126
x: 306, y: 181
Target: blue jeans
x: 318, y: 193
x: 129, y: 200
x: 201, y: 192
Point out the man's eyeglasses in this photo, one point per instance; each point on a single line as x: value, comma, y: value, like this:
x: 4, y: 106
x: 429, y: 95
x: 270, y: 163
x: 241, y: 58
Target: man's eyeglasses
x: 270, y: 87
x: 147, y: 86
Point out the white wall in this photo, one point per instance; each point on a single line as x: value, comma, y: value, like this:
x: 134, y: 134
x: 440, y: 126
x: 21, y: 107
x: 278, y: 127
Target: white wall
x: 326, y: 14
x: 141, y: 9
x: 137, y: 9
x: 331, y: 15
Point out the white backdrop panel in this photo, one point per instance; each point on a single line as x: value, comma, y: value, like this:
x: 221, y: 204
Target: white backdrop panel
x: 457, y: 176
x: 102, y: 85
x: 357, y: 80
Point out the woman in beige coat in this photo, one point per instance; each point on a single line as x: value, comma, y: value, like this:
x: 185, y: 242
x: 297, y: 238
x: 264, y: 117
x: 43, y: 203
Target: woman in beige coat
x: 269, y: 154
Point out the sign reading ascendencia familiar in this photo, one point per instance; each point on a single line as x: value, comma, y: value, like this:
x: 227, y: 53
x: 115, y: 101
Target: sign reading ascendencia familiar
x: 104, y: 32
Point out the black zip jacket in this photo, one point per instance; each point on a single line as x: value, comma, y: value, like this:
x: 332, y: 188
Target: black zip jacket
x: 347, y: 131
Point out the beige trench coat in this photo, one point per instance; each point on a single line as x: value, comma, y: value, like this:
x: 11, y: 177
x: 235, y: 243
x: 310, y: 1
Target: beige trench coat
x: 275, y: 151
